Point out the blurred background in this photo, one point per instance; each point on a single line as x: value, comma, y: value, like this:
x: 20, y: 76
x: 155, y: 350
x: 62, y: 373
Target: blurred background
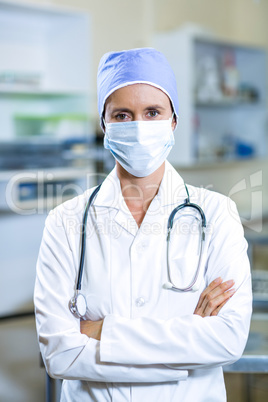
x: 51, y: 144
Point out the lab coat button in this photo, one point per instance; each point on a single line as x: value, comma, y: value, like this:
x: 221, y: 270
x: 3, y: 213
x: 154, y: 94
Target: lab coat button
x: 141, y: 246
x: 140, y: 302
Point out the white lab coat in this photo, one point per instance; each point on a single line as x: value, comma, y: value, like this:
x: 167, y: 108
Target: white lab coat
x: 152, y: 348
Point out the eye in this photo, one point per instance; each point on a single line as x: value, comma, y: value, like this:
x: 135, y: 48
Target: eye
x: 153, y: 113
x: 121, y: 116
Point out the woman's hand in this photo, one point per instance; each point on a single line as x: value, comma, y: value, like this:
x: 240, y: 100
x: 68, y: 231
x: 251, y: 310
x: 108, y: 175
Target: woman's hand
x: 214, y: 297
x: 91, y: 328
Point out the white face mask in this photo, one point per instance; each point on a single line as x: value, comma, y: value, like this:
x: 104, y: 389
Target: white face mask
x: 139, y: 146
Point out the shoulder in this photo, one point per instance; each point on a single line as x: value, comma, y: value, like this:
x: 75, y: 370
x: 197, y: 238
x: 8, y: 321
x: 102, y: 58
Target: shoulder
x: 206, y: 196
x: 215, y: 205
x: 72, y: 209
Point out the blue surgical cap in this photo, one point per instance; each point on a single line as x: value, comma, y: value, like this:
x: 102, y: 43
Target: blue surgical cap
x: 144, y: 65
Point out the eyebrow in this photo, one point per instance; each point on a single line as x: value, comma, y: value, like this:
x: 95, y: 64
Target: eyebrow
x: 123, y: 109
x: 154, y: 107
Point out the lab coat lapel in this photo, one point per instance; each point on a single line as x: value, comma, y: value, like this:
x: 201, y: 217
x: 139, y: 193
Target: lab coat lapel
x: 171, y: 193
x: 109, y: 193
x: 127, y: 222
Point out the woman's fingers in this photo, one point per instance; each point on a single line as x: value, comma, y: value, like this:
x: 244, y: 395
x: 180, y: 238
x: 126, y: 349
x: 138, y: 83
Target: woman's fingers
x: 215, y: 312
x: 213, y: 298
x: 210, y: 300
x: 210, y: 287
x: 216, y: 303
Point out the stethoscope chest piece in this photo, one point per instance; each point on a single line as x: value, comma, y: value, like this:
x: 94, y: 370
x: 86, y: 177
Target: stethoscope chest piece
x: 78, y: 305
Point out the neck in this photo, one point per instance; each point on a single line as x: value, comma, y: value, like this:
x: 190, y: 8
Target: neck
x: 138, y: 192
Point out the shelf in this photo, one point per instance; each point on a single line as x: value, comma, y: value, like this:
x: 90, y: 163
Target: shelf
x: 215, y: 164
x: 45, y: 65
x: 26, y: 92
x: 58, y: 173
x: 222, y: 94
x: 226, y: 103
x: 47, y: 203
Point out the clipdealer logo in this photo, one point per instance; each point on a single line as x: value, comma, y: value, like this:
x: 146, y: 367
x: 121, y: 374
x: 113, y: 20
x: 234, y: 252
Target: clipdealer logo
x: 51, y: 191
x: 31, y: 193
x: 250, y: 187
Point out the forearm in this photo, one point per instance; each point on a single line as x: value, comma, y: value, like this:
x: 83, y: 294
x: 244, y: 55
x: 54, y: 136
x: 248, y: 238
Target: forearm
x: 91, y: 328
x: 189, y: 341
x: 211, y: 301
x: 84, y: 363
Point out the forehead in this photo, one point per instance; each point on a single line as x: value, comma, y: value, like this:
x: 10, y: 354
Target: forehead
x: 137, y: 95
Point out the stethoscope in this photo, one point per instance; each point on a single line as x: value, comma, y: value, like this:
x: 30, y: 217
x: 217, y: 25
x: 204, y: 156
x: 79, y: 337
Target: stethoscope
x: 78, y: 303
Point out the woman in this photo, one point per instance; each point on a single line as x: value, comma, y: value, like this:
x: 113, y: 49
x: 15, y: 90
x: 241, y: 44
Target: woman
x: 140, y: 339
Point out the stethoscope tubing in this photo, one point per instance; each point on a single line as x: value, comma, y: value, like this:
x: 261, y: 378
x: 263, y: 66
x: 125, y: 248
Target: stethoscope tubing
x: 190, y: 287
x: 186, y: 204
x: 83, y: 239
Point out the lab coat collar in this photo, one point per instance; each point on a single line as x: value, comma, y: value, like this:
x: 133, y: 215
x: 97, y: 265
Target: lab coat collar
x: 110, y: 194
x: 171, y: 190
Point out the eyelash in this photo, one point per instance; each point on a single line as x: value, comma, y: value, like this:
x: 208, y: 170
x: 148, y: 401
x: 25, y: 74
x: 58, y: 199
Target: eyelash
x: 119, y: 115
x: 154, y: 111
x: 123, y: 116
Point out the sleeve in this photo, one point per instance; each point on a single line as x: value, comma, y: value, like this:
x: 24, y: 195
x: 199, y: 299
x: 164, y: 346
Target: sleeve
x: 66, y: 352
x: 191, y: 341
